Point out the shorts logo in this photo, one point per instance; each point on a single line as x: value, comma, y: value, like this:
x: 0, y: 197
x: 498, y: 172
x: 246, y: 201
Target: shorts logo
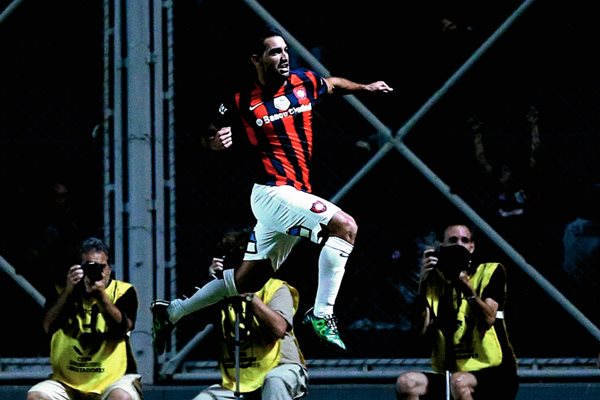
x: 318, y: 207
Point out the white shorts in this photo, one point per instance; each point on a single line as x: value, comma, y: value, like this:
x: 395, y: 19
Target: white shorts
x: 284, y: 215
x: 131, y: 383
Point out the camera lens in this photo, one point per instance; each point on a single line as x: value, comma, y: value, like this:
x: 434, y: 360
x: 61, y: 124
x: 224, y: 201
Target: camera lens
x: 93, y: 270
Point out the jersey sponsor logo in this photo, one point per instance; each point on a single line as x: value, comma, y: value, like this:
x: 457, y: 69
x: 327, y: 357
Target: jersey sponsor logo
x: 253, y: 107
x: 267, y: 119
x: 318, y: 207
x: 281, y: 103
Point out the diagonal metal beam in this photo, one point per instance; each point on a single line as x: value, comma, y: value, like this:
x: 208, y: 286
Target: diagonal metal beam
x: 408, y: 125
x: 9, y: 9
x: 22, y: 282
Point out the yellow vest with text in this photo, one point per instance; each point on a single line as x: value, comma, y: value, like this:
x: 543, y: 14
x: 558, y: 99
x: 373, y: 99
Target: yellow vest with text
x: 475, y: 347
x: 82, y: 354
x: 258, y: 354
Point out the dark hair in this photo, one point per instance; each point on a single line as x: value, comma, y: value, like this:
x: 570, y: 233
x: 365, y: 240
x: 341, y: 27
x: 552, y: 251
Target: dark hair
x: 468, y: 224
x: 234, y: 241
x: 96, y: 245
x: 265, y: 32
x: 232, y: 246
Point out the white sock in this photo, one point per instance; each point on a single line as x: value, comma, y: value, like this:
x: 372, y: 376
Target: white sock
x: 332, y: 262
x: 209, y: 294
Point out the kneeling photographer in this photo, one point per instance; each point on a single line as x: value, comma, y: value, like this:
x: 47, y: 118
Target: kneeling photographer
x: 89, y: 319
x: 461, y: 308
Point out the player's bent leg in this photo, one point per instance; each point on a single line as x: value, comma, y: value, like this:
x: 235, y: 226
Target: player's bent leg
x: 343, y: 226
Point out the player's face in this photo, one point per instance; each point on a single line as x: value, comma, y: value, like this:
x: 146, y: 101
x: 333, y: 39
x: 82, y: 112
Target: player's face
x: 275, y: 61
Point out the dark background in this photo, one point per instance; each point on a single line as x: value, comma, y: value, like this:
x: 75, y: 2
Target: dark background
x: 51, y: 104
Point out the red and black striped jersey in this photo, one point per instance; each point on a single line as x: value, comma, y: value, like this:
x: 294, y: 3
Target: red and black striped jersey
x: 279, y: 124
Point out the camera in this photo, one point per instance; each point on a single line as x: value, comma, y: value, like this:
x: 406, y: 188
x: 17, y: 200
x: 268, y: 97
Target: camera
x: 453, y: 260
x: 92, y: 270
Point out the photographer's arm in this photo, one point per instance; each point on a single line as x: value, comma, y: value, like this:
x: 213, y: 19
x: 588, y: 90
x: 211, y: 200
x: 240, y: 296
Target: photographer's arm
x: 119, y: 316
x: 53, y: 313
x: 485, y: 308
x: 215, y: 267
x: 273, y: 317
x: 422, y: 317
x: 428, y: 263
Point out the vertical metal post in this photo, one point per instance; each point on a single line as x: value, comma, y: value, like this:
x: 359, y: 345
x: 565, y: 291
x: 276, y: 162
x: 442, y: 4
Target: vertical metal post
x: 238, y: 315
x: 139, y: 135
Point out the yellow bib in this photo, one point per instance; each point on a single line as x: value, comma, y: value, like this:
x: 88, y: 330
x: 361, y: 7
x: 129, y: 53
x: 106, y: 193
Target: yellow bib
x: 83, y: 355
x: 258, y: 354
x: 474, y: 347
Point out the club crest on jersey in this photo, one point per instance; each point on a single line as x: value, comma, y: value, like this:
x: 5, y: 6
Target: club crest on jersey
x: 281, y: 103
x: 318, y: 207
x: 300, y: 93
x: 222, y: 109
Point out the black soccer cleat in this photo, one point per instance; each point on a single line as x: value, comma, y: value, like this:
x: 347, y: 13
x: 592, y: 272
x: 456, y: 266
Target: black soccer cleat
x: 161, y: 325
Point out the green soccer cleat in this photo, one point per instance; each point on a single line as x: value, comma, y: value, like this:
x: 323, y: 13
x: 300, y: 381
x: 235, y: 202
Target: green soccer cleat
x: 325, y: 327
x: 161, y: 325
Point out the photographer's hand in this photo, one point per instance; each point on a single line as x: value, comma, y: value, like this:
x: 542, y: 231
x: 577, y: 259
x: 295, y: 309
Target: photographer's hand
x: 486, y: 308
x: 216, y: 265
x: 74, y: 276
x: 428, y: 263
x: 465, y: 285
x: 96, y: 288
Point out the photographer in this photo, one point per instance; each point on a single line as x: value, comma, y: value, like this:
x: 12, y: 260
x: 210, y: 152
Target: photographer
x: 90, y: 319
x: 462, y: 309
x: 271, y: 364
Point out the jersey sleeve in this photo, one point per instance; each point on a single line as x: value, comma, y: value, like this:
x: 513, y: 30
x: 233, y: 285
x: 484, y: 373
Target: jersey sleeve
x: 315, y: 83
x: 222, y: 113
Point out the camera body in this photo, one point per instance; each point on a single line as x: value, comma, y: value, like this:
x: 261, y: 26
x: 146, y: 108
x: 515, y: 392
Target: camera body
x: 92, y: 270
x: 452, y: 260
